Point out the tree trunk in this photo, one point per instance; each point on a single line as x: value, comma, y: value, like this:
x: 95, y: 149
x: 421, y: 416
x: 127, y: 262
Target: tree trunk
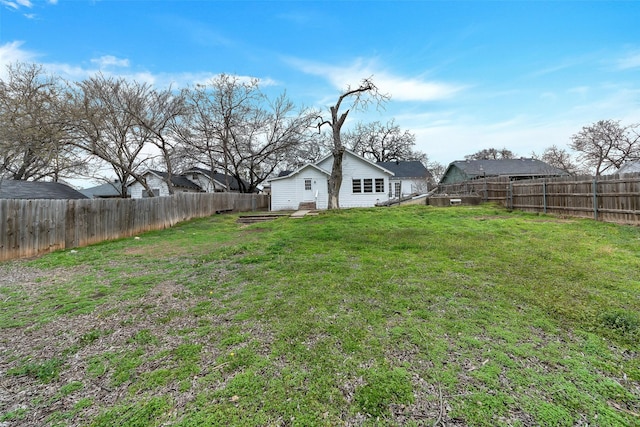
x: 335, y: 180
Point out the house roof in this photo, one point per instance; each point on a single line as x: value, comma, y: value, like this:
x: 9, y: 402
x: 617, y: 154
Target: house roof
x: 180, y: 181
x: 505, y: 167
x: 629, y: 167
x: 359, y: 157
x: 221, y: 178
x: 300, y: 169
x: 287, y: 174
x: 13, y: 189
x: 406, y: 169
x: 108, y: 189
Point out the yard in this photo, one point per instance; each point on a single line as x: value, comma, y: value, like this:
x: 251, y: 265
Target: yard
x: 397, y: 316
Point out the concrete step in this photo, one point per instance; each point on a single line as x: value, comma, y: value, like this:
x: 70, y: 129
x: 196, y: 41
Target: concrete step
x: 307, y: 206
x: 251, y: 219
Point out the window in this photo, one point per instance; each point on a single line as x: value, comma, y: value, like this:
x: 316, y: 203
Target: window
x: 379, y: 185
x: 307, y: 184
x: 355, y: 186
x: 397, y: 185
x: 368, y: 185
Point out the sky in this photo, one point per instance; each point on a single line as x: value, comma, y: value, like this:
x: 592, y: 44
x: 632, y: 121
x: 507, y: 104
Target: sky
x: 462, y: 75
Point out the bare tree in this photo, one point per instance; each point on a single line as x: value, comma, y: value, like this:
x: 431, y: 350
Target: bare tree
x: 437, y: 171
x: 605, y: 145
x: 383, y: 142
x: 33, y: 127
x: 106, y: 126
x: 491, y: 154
x: 232, y: 125
x: 360, y: 97
x: 158, y: 117
x: 558, y: 158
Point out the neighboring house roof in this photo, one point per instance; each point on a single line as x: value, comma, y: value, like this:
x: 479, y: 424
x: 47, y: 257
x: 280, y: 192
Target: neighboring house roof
x: 472, y: 169
x: 179, y: 181
x: 220, y: 178
x: 629, y: 167
x: 284, y: 173
x: 406, y: 169
x: 106, y: 190
x: 13, y: 189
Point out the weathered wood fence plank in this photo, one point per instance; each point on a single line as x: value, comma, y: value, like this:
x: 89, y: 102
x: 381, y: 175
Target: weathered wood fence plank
x: 32, y: 227
x: 606, y: 198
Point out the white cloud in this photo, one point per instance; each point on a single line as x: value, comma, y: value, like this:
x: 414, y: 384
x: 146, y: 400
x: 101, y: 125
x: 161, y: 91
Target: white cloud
x: 17, y: 4
x: 11, y: 53
x: 110, y: 61
x: 400, y: 88
x: 630, y: 61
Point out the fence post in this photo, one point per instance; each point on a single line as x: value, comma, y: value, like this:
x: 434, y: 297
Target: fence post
x: 544, y: 195
x: 510, y: 195
x: 595, y: 198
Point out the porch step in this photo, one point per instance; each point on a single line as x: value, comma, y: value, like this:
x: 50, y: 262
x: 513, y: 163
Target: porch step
x: 307, y: 206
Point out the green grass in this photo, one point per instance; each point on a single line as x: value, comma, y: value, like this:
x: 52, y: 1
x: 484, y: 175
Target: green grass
x: 401, y: 316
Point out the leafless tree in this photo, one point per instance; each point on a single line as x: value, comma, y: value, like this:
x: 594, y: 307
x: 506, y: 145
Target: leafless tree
x: 158, y: 118
x: 558, y: 158
x: 33, y: 127
x: 605, y: 145
x: 233, y: 126
x: 383, y: 142
x: 437, y: 171
x: 491, y: 154
x: 360, y: 98
x: 106, y: 114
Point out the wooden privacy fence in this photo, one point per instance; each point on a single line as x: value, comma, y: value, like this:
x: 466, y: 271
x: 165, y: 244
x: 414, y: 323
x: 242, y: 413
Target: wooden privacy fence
x: 32, y: 227
x: 610, y: 198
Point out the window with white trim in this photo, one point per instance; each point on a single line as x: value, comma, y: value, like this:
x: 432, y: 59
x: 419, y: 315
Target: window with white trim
x: 356, y: 186
x: 379, y: 185
x: 307, y: 184
x: 368, y: 185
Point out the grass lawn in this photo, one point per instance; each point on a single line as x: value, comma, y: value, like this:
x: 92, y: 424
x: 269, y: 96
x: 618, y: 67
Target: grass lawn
x: 375, y: 317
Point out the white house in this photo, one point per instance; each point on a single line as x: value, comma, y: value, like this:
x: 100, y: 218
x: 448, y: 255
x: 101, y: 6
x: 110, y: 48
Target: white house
x: 212, y: 181
x: 156, y: 180
x: 410, y: 178
x: 364, y: 184
x: 194, y: 180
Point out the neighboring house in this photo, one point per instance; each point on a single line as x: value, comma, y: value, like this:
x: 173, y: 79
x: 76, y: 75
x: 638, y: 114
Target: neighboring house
x: 467, y: 170
x: 364, y: 184
x: 212, y: 181
x: 410, y: 177
x: 157, y: 181
x: 12, y: 189
x: 629, y: 168
x: 108, y: 190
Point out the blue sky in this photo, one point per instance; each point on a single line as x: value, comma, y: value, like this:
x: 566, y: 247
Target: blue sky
x: 463, y: 75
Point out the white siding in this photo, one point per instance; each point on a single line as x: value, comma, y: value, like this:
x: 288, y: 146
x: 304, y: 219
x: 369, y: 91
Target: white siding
x: 155, y: 183
x: 287, y: 193
x: 356, y: 168
x: 410, y: 186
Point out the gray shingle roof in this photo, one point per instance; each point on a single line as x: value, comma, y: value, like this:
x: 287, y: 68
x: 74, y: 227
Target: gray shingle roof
x: 629, y: 167
x: 12, y: 189
x: 178, y: 180
x: 507, y: 167
x: 406, y: 169
x: 220, y: 177
x: 108, y: 189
